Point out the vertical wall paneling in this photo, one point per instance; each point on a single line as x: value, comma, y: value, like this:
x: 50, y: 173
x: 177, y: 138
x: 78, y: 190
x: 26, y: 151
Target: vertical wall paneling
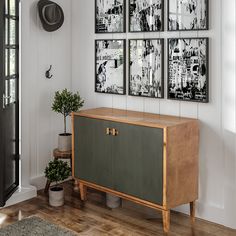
x: 229, y: 107
x: 40, y: 49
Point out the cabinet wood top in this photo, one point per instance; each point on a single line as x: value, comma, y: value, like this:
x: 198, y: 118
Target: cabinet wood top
x: 134, y: 117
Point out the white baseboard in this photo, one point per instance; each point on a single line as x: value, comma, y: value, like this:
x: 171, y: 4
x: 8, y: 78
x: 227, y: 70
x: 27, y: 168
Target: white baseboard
x: 206, y: 212
x: 22, y: 194
x: 39, y: 182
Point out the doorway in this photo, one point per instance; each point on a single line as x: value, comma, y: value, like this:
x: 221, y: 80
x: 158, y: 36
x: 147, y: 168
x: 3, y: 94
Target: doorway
x: 9, y: 99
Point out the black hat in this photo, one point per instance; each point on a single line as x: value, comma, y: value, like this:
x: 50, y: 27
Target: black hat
x: 51, y: 15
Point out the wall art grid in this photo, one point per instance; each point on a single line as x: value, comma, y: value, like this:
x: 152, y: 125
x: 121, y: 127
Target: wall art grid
x: 110, y: 16
x: 188, y: 69
x: 188, y: 72
x: 110, y: 66
x: 146, y: 15
x: 146, y: 67
x: 188, y: 15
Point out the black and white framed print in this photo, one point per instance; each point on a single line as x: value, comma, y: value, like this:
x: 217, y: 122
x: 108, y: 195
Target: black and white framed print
x: 146, y: 70
x: 110, y: 16
x: 110, y: 66
x: 146, y: 15
x: 188, y: 15
x: 188, y: 69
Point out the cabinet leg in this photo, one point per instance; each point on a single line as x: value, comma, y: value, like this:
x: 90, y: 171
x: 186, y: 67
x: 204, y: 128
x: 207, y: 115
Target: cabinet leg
x: 76, y: 185
x: 166, y: 221
x: 83, y: 192
x: 192, y: 211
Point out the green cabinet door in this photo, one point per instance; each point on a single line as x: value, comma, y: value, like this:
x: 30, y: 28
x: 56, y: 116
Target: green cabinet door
x: 93, y: 160
x: 138, y: 161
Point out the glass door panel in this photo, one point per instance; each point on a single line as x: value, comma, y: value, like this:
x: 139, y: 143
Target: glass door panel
x: 6, y: 97
x: 12, y: 62
x: 6, y: 62
x: 12, y: 90
x: 12, y: 8
x: 6, y: 7
x: 12, y: 32
x: 6, y: 89
x: 6, y: 30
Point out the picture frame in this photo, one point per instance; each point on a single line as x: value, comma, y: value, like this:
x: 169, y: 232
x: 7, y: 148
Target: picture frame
x: 188, y: 69
x: 188, y: 15
x: 110, y: 16
x: 110, y: 66
x: 146, y: 68
x: 146, y: 16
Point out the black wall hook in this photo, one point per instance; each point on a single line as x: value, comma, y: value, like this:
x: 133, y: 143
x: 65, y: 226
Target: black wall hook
x: 48, y: 74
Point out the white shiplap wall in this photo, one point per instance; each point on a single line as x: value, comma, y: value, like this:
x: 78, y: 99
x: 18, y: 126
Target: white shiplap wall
x: 217, y: 148
x: 228, y: 84
x: 40, y: 49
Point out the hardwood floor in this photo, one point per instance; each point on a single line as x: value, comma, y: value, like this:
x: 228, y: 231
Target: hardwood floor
x: 95, y: 219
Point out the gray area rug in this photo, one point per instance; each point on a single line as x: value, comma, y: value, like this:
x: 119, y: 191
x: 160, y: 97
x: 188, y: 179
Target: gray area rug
x: 34, y: 226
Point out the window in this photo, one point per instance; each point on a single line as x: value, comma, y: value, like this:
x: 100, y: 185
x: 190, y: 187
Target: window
x: 11, y: 51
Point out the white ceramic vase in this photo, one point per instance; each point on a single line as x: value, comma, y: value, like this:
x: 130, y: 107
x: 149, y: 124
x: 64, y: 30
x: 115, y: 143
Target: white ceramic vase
x: 56, y: 196
x: 64, y: 142
x: 112, y: 201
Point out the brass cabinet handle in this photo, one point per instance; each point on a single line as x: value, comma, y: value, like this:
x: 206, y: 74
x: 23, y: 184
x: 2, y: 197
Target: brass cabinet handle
x: 115, y: 132
x: 108, y: 131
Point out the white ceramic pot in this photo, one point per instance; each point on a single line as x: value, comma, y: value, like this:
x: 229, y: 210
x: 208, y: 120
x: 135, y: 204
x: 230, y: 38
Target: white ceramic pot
x: 56, y: 196
x: 112, y: 201
x: 64, y: 142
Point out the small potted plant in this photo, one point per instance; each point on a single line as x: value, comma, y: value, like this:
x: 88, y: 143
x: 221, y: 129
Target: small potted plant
x: 56, y: 171
x: 64, y: 103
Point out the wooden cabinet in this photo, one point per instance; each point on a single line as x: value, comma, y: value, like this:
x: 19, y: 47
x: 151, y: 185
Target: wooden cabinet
x: 146, y: 158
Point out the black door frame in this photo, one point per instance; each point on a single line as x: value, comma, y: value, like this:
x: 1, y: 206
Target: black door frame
x: 2, y: 3
x: 3, y: 46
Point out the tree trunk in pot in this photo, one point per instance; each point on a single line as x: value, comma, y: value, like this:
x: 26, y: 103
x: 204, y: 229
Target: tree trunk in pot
x: 64, y: 142
x: 56, y: 196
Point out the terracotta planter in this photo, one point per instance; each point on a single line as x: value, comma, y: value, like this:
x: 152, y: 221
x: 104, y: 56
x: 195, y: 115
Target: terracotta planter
x: 56, y: 196
x: 64, y: 142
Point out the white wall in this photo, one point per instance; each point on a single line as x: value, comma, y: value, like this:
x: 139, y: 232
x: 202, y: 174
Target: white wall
x: 40, y: 49
x: 229, y: 108
x: 217, y: 149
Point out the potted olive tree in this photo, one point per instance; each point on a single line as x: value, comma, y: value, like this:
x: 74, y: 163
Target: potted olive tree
x: 56, y: 171
x: 64, y: 103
